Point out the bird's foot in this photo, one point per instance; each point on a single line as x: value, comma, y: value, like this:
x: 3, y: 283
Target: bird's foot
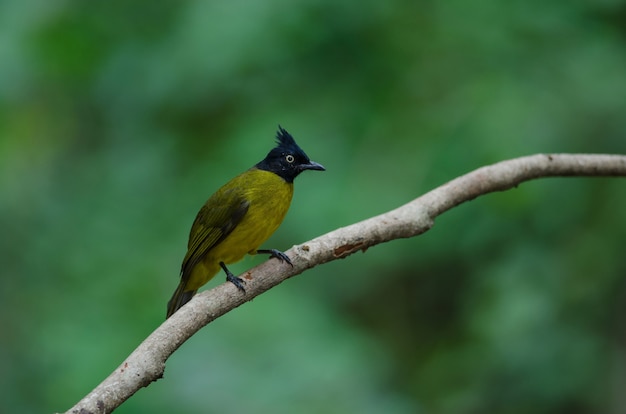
x: 277, y: 254
x: 237, y: 281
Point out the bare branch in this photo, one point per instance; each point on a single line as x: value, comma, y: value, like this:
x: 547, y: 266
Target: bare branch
x: 147, y: 363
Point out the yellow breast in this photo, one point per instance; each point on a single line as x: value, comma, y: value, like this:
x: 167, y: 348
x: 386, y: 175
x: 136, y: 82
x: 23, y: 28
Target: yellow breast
x: 269, y: 197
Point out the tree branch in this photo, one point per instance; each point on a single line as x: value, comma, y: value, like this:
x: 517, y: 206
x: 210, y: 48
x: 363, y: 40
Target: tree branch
x: 147, y: 363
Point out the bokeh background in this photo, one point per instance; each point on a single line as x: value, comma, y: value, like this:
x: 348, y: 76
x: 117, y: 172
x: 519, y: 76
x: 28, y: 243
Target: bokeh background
x: 118, y: 119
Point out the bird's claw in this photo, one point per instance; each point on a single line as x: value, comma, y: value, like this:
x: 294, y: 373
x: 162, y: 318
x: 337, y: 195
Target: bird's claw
x: 233, y: 279
x: 277, y: 254
x: 237, y: 281
x: 280, y: 256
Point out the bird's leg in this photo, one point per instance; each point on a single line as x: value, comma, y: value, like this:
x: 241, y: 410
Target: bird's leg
x: 277, y: 254
x: 237, y: 281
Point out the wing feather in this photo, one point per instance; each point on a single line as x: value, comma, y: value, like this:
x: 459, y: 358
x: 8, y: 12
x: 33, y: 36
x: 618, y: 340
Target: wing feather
x: 215, y: 220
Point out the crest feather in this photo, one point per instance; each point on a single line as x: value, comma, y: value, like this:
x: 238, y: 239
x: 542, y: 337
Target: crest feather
x: 284, y: 138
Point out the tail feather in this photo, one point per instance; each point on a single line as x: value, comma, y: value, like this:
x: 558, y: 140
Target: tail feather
x: 179, y: 298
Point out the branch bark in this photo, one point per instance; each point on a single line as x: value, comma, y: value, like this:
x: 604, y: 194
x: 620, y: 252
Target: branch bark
x: 147, y: 362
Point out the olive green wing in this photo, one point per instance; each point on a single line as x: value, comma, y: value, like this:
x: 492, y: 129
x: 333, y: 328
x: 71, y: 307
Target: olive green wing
x: 215, y: 220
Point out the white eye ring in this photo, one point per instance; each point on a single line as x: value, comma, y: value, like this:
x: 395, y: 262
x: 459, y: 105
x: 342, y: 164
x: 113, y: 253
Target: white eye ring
x: 290, y: 158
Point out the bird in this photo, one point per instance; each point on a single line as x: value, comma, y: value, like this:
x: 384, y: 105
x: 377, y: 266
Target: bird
x: 239, y: 217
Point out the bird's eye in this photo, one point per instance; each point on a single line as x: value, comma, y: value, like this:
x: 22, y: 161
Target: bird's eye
x: 290, y: 158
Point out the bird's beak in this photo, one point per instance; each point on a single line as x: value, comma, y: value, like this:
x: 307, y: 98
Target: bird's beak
x: 312, y: 165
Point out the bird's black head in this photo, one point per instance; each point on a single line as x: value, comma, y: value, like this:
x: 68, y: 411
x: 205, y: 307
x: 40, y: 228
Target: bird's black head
x: 287, y: 160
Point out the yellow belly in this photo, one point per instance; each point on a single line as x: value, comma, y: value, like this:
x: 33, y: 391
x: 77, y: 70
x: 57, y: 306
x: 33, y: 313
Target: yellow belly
x: 269, y: 197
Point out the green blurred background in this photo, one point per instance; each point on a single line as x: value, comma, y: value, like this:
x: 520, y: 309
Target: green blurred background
x: 118, y: 119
